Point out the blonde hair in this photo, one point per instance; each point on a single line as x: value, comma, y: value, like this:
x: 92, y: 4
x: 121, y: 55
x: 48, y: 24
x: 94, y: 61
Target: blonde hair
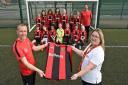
x: 20, y: 25
x: 101, y: 35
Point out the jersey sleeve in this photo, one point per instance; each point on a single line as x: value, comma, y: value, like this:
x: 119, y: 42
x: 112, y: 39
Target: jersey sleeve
x: 18, y: 52
x: 97, y: 57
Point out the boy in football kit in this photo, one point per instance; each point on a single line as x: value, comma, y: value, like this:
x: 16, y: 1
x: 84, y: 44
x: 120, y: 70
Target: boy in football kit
x: 22, y: 48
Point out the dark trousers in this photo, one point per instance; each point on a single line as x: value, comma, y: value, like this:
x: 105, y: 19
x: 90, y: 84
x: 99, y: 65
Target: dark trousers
x: 86, y: 83
x: 87, y: 30
x: 29, y: 80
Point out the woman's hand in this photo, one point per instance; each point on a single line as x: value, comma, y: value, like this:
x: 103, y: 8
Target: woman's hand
x: 74, y: 77
x: 72, y: 47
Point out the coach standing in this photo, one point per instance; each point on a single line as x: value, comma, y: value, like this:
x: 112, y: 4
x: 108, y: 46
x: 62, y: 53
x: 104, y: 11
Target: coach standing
x: 86, y: 15
x: 22, y: 49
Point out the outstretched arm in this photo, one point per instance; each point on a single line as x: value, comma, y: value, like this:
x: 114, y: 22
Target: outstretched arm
x: 41, y: 47
x: 77, y: 51
x: 89, y: 67
x: 80, y: 52
x: 31, y: 67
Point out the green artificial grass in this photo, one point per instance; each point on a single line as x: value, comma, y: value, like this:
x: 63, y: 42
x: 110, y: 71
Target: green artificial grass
x: 114, y: 68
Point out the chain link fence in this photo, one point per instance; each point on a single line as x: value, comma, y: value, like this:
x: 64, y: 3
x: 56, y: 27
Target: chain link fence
x: 114, y: 14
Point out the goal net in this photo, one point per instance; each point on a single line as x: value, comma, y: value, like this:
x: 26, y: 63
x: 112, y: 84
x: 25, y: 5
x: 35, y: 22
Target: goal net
x: 34, y: 7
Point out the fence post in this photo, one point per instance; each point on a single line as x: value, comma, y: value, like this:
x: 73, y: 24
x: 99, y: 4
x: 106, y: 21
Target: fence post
x: 20, y: 7
x: 66, y: 6
x: 123, y: 3
x: 55, y: 3
x: 98, y: 17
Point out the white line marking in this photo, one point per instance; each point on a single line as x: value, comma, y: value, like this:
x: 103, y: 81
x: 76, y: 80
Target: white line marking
x: 5, y: 46
x: 105, y: 46
x: 116, y: 46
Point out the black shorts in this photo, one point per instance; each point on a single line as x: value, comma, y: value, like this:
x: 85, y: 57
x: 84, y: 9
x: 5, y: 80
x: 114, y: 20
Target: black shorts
x: 29, y: 80
x: 86, y: 83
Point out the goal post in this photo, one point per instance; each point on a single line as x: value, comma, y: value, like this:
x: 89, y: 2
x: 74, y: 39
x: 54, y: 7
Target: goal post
x: 32, y: 25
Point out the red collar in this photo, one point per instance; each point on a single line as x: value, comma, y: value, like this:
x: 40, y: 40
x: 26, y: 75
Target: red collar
x: 89, y: 49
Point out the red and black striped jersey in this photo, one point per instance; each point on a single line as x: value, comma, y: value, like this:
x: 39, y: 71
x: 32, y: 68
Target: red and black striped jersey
x: 57, y: 18
x: 52, y: 32
x: 64, y: 21
x: 78, y: 20
x: 64, y: 18
x: 38, y: 20
x: 37, y: 34
x: 44, y: 20
x: 50, y: 20
x: 59, y: 62
x: 45, y: 34
x: 75, y: 35
x: 52, y: 35
x: 71, y: 19
x: 83, y: 35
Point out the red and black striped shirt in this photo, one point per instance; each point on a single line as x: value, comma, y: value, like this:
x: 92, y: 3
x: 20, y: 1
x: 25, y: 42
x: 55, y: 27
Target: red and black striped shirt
x: 59, y: 62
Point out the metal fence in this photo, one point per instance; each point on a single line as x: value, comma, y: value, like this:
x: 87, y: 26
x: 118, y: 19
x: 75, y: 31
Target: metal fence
x: 114, y: 14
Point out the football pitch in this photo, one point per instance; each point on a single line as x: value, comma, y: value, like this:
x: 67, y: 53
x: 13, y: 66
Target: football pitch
x: 114, y: 69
